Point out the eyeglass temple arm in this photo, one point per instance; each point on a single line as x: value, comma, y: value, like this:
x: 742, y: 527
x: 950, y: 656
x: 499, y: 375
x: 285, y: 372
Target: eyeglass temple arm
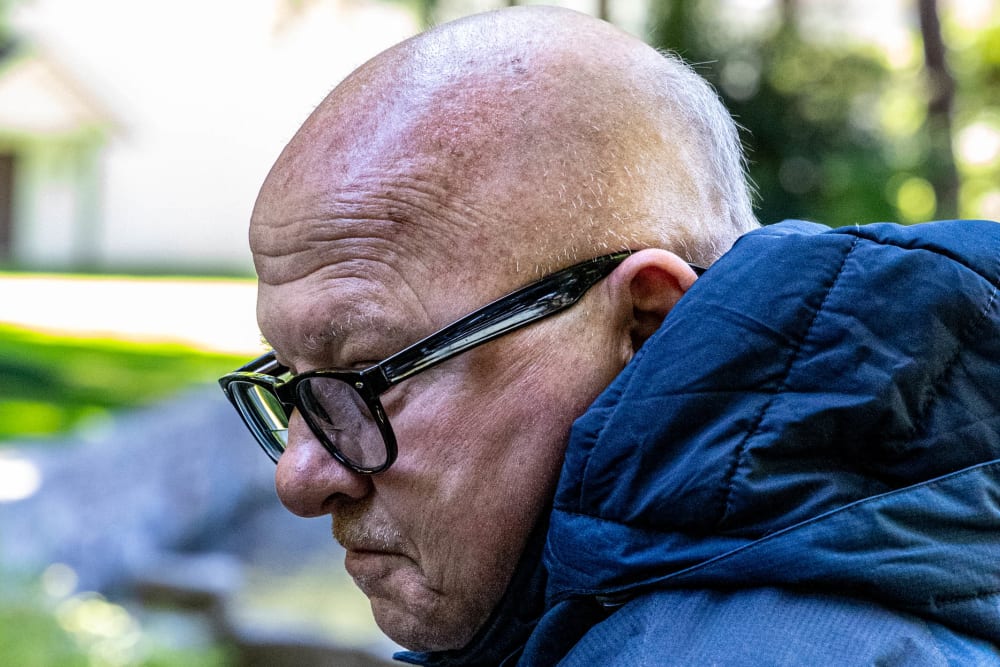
x: 521, y: 307
x: 547, y: 297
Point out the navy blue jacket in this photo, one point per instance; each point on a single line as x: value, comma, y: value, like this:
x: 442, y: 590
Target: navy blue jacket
x: 801, y: 467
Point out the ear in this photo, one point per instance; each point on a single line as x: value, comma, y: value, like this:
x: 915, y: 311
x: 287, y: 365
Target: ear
x: 649, y: 283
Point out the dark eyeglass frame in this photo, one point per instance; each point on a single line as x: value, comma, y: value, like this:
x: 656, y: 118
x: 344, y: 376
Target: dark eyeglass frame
x: 548, y: 296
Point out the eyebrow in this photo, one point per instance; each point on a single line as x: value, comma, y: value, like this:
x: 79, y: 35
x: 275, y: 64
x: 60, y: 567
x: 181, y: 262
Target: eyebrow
x: 367, y: 337
x: 340, y: 329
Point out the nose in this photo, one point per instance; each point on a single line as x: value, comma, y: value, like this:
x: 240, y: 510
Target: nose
x: 308, y: 480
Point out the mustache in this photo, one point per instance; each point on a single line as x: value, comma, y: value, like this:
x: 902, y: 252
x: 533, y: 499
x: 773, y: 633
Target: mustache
x: 361, y: 527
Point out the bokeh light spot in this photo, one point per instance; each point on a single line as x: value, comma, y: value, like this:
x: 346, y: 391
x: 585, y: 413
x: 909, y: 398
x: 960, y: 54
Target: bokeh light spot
x: 915, y: 200
x: 978, y: 145
x: 59, y: 580
x: 741, y: 79
x: 989, y: 205
x: 19, y: 479
x: 901, y: 113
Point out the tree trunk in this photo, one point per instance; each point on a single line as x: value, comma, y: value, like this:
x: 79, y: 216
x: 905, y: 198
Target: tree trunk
x: 940, y: 102
x: 603, y: 10
x: 790, y: 14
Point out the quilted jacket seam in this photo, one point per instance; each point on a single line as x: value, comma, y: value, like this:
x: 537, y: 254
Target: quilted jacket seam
x: 727, y: 490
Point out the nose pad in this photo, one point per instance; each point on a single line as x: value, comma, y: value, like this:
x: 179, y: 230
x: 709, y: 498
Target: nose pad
x: 308, y: 479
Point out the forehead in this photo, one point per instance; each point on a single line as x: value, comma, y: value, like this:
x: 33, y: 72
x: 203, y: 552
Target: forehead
x: 367, y: 260
x: 391, y: 197
x: 356, y: 256
x: 392, y: 189
x: 345, y: 309
x: 342, y: 243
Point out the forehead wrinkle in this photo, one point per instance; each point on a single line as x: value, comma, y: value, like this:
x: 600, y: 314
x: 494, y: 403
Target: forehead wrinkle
x: 374, y: 320
x: 289, y: 235
x: 416, y: 217
x: 293, y: 255
x: 357, y: 304
x: 291, y: 230
x: 432, y: 213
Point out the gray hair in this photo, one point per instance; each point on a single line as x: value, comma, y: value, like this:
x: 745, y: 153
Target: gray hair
x: 720, y: 167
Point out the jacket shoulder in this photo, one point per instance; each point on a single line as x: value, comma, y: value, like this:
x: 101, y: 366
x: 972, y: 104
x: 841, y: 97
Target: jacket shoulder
x: 769, y: 626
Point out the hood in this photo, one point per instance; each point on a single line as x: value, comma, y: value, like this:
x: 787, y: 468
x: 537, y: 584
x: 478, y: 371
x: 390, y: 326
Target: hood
x: 821, y: 411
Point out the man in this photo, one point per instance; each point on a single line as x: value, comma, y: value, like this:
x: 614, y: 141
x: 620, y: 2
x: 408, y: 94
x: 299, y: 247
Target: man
x: 747, y: 479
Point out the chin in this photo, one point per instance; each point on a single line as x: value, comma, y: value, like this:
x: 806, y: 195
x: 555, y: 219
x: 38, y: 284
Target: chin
x: 423, y: 632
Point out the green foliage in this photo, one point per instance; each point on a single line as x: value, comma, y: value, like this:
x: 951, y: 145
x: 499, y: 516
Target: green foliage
x: 833, y: 132
x: 32, y: 638
x: 5, y: 8
x: 975, y: 61
x: 814, y: 152
x: 53, y: 383
x: 809, y: 110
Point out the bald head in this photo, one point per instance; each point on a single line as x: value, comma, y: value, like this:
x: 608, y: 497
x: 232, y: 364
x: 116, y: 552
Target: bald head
x: 536, y: 133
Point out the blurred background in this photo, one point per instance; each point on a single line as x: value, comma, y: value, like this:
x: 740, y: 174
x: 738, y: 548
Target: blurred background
x: 138, y: 524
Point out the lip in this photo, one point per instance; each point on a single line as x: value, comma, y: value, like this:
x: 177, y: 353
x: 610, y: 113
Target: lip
x: 365, y: 553
x: 353, y: 552
x: 368, y: 565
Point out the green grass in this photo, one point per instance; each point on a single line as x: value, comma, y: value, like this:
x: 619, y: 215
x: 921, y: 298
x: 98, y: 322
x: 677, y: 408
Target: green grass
x: 50, y: 384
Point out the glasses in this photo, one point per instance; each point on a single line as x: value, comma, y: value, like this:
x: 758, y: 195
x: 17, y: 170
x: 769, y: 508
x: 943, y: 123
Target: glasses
x: 342, y: 407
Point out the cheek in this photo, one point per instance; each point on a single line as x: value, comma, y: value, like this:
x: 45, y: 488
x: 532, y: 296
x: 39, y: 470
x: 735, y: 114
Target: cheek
x: 472, y: 441
x: 487, y: 438
x: 486, y: 416
x: 510, y: 403
x: 480, y: 447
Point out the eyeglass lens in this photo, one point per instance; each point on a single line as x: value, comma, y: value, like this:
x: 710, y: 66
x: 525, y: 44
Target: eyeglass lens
x: 333, y: 408
x: 264, y: 414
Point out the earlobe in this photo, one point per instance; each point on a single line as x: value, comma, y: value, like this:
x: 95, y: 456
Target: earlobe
x: 651, y: 282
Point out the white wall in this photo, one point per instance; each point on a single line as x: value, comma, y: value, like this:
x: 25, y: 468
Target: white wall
x: 204, y: 94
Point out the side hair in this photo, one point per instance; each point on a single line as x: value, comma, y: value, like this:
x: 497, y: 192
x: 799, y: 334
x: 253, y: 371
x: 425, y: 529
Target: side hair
x: 716, y: 136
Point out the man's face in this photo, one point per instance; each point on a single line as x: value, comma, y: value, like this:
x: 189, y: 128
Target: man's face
x: 432, y: 541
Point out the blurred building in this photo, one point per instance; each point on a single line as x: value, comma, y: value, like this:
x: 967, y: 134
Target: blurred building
x: 134, y: 136
x: 52, y: 133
